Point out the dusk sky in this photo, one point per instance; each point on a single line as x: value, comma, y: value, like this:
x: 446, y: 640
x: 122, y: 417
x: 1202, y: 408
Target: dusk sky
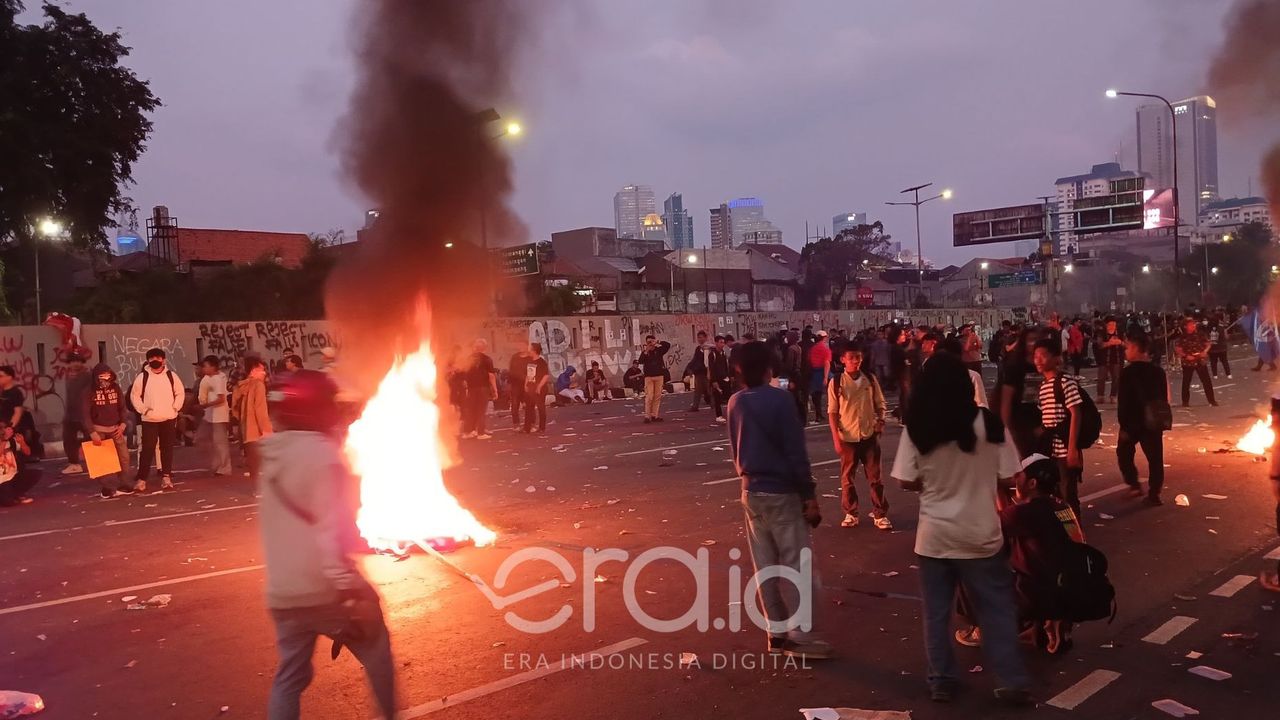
x: 816, y: 107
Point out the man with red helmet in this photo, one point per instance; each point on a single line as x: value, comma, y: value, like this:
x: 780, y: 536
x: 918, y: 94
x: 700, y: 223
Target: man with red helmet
x: 308, y: 519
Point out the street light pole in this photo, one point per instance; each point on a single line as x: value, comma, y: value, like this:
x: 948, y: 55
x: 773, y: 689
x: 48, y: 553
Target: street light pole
x: 1177, y: 210
x: 48, y: 228
x: 917, y: 202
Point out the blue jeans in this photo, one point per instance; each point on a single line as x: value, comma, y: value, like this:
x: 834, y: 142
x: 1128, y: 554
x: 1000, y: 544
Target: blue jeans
x: 296, y: 632
x: 988, y: 584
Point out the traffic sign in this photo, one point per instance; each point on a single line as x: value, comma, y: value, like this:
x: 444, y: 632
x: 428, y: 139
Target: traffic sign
x: 1006, y: 224
x: 866, y: 296
x: 1022, y: 277
x: 518, y: 260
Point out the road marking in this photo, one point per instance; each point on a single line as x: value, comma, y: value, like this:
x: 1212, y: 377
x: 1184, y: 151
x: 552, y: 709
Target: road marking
x: 1103, y: 493
x: 1273, y: 555
x: 113, y: 523
x: 576, y: 661
x: 721, y: 441
x: 1219, y: 387
x: 736, y: 478
x: 131, y: 588
x: 1168, y: 631
x: 1093, y: 682
x: 1233, y: 586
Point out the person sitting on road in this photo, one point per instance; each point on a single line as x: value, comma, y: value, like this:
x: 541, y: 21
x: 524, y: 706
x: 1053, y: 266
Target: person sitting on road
x: 634, y: 378
x: 17, y: 477
x: 569, y: 387
x: 597, y: 384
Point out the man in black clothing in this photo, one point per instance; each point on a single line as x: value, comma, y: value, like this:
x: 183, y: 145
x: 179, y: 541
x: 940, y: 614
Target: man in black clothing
x: 1218, y: 348
x: 653, y: 363
x: 718, y: 375
x: 1143, y: 410
x: 698, y: 367
x: 1109, y: 350
x: 482, y: 386
x: 515, y: 384
x: 536, y: 377
x: 634, y: 378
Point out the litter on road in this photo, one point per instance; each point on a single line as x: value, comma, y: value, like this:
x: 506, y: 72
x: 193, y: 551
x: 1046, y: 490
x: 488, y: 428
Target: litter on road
x: 853, y: 714
x: 17, y: 704
x: 1183, y: 501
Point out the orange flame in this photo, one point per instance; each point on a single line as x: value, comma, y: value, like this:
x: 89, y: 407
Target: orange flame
x: 395, y: 448
x: 1258, y: 440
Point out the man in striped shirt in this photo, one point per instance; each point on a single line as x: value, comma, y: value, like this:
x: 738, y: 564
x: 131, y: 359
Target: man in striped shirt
x: 1060, y: 419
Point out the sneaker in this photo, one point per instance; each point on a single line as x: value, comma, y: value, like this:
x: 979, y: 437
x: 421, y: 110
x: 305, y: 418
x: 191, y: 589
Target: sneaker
x: 166, y: 482
x: 124, y: 490
x: 776, y: 644
x: 140, y: 486
x: 109, y: 494
x: 850, y: 521
x: 485, y: 436
x: 658, y: 419
x: 468, y: 435
x: 1014, y: 697
x: 1133, y: 492
x: 72, y: 469
x: 808, y: 649
x: 883, y: 523
x: 722, y: 420
x: 969, y: 637
x: 944, y: 693
x: 647, y: 420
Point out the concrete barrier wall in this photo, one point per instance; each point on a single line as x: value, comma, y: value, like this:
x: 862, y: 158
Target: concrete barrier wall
x: 613, y: 341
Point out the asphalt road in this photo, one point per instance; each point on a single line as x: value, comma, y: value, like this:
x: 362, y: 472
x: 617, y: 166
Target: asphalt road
x: 599, y: 480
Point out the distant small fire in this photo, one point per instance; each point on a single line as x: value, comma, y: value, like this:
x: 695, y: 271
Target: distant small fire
x: 1259, y: 439
x: 396, y: 450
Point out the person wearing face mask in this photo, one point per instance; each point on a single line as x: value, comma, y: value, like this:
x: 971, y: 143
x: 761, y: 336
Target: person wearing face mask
x: 157, y: 396
x: 103, y: 412
x: 249, y: 405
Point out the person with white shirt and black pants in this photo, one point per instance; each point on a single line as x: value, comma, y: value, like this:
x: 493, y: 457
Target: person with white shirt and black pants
x: 217, y: 414
x: 157, y: 396
x: 957, y: 456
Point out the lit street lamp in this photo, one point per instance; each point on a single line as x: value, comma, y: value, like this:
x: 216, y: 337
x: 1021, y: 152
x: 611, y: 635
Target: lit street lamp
x: 50, y: 229
x: 1177, y: 215
x: 917, y: 202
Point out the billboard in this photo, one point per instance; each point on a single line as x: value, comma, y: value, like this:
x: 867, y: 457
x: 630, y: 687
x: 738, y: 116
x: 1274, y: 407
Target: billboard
x: 1157, y: 209
x: 1122, y: 208
x: 1007, y: 224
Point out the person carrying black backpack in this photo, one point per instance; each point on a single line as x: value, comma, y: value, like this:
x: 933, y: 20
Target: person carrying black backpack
x: 1061, y: 415
x: 157, y: 395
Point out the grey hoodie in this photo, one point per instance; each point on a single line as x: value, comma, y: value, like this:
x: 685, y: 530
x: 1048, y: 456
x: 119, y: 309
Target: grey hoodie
x: 308, y: 515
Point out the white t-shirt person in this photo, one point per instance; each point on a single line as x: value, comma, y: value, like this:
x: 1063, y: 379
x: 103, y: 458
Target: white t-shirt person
x: 958, y: 519
x: 213, y: 387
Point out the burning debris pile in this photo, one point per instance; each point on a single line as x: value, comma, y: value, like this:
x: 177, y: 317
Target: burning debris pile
x: 418, y: 146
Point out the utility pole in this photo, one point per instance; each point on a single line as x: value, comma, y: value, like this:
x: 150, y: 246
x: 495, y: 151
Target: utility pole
x: 1051, y: 282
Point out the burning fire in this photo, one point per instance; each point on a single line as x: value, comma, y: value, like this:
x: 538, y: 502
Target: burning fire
x: 1258, y: 440
x: 396, y: 450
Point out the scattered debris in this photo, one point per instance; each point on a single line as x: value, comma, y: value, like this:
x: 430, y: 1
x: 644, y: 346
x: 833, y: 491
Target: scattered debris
x: 1193, y: 655
x: 531, y: 489
x: 128, y: 598
x: 854, y: 714
x: 1202, y: 450
x: 16, y: 704
x: 1174, y: 708
x: 577, y: 526
x: 600, y: 467
x: 1182, y: 501
x: 225, y: 708
x: 717, y: 448
x: 42, y: 637
x: 891, y: 573
x: 601, y: 579
x: 551, y: 488
x: 1180, y: 596
x: 1205, y: 671
x: 1212, y: 496
x: 1239, y: 636
x: 155, y: 601
x: 1105, y: 516
x: 1212, y: 517
x: 130, y: 664
x: 708, y: 543
x: 623, y: 532
x: 614, y: 501
x: 688, y: 660
x: 498, y: 644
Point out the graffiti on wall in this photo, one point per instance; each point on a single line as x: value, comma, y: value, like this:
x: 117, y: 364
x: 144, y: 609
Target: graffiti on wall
x: 127, y: 354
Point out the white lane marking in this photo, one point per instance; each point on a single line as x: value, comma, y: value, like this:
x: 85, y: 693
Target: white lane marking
x: 1233, y: 586
x: 112, y: 523
x: 1093, y: 682
x: 1168, y: 631
x: 1103, y: 493
x: 1273, y: 555
x: 578, y: 661
x: 131, y: 588
x: 1219, y: 387
x: 721, y: 441
x: 736, y: 479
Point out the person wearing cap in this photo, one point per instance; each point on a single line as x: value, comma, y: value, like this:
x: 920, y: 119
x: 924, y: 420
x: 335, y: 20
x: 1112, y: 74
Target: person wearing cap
x: 217, y: 414
x: 157, y: 396
x: 314, y: 587
x: 78, y: 381
x: 819, y: 373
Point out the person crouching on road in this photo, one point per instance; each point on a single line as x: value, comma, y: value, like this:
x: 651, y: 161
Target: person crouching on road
x: 17, y: 477
x: 308, y: 532
x: 103, y: 411
x: 857, y: 410
x: 157, y: 396
x: 767, y: 440
x: 250, y: 405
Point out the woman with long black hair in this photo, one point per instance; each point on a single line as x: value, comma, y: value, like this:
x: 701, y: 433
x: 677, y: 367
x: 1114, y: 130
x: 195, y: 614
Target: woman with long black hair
x: 957, y: 456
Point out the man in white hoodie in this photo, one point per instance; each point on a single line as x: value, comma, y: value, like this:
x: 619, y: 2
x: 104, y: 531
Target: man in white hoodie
x: 308, y: 521
x: 157, y: 396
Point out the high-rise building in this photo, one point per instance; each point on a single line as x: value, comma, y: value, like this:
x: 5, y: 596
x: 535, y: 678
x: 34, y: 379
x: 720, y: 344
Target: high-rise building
x: 1069, y: 189
x: 1197, y: 126
x: 846, y: 220
x: 721, y: 228
x: 742, y: 221
x: 652, y: 227
x: 630, y: 205
x: 679, y: 224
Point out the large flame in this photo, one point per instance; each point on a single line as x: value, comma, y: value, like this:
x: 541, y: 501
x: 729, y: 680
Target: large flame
x: 1259, y: 439
x: 395, y: 448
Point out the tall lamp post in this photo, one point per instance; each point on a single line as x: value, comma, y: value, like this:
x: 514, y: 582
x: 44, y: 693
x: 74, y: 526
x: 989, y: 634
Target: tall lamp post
x: 917, y: 202
x: 48, y: 228
x: 1177, y: 213
x: 510, y: 128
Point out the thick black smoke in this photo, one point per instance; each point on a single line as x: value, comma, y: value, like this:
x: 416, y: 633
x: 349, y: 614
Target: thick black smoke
x: 415, y: 145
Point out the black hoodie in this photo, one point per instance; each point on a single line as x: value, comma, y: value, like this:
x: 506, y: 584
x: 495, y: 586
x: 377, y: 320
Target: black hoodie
x: 103, y: 406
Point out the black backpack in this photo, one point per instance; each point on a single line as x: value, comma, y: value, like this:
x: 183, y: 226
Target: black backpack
x: 1086, y: 592
x: 1090, y: 418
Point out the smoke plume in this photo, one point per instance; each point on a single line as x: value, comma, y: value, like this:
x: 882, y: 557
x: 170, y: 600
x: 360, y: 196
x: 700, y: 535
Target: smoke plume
x: 1245, y: 77
x: 416, y: 144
